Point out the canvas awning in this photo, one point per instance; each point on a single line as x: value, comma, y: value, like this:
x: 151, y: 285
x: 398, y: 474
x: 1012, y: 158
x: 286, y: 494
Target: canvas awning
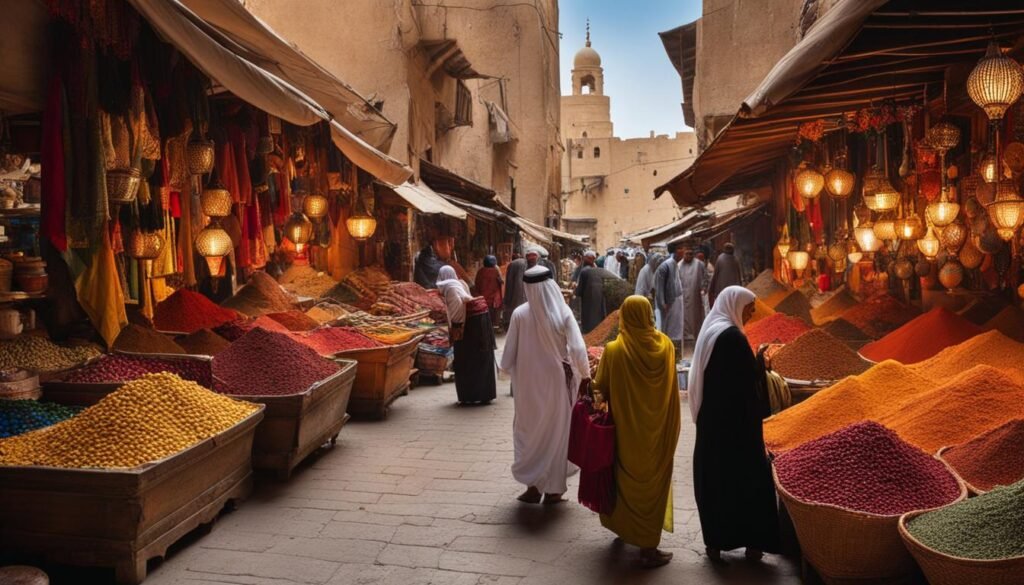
x: 262, y: 46
x: 220, y: 58
x: 426, y: 200
x: 859, y: 53
x: 448, y: 182
x: 696, y: 219
x: 681, y: 45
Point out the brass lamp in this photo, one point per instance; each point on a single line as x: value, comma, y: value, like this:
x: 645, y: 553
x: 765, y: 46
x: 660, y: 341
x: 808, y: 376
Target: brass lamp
x: 361, y: 225
x: 943, y: 137
x: 885, y: 229
x: 1007, y: 211
x: 996, y: 82
x: 839, y: 183
x: 951, y: 274
x: 213, y: 244
x: 929, y: 244
x: 953, y: 237
x: 853, y: 253
x: 809, y: 182
x: 942, y: 212
x: 798, y: 260
x: 215, y: 200
x: 887, y: 197
x: 199, y: 156
x: 146, y: 246
x: 866, y: 238
x: 298, y: 229
x: 784, y: 242
x: 314, y: 206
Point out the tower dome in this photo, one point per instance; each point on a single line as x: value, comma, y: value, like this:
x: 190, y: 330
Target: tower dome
x: 586, y: 57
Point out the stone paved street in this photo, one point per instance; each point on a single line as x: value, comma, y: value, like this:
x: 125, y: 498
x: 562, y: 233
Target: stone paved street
x: 427, y: 497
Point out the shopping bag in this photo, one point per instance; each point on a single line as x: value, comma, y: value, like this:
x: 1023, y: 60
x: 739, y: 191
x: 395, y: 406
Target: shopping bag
x: 592, y: 448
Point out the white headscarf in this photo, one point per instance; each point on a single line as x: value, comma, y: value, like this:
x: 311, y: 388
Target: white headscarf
x: 548, y: 310
x: 727, y: 312
x: 455, y: 294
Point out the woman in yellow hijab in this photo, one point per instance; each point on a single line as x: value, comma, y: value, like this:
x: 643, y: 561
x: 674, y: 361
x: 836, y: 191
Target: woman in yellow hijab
x: 637, y: 375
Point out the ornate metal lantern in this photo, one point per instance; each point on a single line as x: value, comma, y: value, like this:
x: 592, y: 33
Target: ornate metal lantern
x: 213, y: 244
x: 298, y: 229
x: 839, y: 183
x: 1007, y: 211
x: 809, y: 182
x: 942, y: 212
x: 929, y: 245
x: 995, y: 83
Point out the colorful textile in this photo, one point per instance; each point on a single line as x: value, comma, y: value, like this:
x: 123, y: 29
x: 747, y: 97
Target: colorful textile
x: 100, y: 293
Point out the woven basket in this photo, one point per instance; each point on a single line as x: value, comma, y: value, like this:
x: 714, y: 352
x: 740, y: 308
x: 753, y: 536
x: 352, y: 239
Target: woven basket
x: 846, y: 546
x: 943, y: 569
x: 199, y: 155
x: 123, y: 185
x: 971, y: 488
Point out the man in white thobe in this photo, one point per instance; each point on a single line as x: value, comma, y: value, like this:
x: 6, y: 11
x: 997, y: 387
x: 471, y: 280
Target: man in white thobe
x: 693, y: 279
x: 547, y: 358
x: 669, y: 299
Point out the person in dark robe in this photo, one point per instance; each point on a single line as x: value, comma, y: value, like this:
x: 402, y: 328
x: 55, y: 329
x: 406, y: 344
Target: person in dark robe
x: 515, y: 293
x: 623, y: 265
x: 426, y: 268
x: 668, y: 297
x: 590, y: 290
x: 546, y: 262
x: 726, y: 273
x: 488, y: 283
x: 472, y: 336
x: 728, y: 400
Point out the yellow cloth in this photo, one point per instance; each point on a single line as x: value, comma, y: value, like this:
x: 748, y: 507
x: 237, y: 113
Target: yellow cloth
x: 99, y: 292
x: 637, y: 374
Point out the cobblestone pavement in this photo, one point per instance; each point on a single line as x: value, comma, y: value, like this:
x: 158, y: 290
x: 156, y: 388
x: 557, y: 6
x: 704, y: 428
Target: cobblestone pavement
x: 426, y: 496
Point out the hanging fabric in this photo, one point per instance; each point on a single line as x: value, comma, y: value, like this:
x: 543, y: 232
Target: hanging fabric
x: 100, y: 293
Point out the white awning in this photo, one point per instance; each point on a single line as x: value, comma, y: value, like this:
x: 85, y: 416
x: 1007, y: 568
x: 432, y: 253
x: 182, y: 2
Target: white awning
x: 426, y: 200
x: 208, y: 49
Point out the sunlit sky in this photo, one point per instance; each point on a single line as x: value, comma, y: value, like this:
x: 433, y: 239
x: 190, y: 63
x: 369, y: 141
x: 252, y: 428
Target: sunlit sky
x: 644, y: 87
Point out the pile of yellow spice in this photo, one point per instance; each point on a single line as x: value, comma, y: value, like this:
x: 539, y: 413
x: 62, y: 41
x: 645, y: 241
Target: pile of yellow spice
x: 148, y: 419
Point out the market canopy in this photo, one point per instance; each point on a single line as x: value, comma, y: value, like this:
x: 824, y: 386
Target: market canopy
x: 681, y: 45
x: 696, y: 220
x: 261, y: 45
x: 451, y: 183
x: 426, y: 200
x: 859, y: 53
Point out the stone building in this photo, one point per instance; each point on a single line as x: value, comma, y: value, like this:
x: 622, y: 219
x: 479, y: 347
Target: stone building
x: 607, y: 181
x: 472, y: 88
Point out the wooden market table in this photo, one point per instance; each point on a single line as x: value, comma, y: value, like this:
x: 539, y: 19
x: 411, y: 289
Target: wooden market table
x: 381, y: 377
x: 121, y: 518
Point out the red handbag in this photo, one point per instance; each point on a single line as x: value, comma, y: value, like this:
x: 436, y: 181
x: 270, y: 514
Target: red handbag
x: 592, y: 448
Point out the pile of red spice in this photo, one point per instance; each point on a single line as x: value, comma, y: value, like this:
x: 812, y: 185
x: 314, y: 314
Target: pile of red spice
x: 269, y: 363
x: 261, y: 295
x: 137, y: 339
x: 922, y: 337
x: 816, y: 355
x: 879, y: 315
x: 186, y: 311
x: 203, y: 342
x: 236, y: 329
x: 328, y: 341
x: 124, y: 368
x: 991, y: 459
x: 867, y: 468
x: 294, y: 320
x: 777, y: 328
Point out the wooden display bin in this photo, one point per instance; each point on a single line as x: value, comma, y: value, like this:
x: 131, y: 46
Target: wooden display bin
x: 86, y: 394
x: 121, y: 518
x: 382, y: 376
x: 295, y: 426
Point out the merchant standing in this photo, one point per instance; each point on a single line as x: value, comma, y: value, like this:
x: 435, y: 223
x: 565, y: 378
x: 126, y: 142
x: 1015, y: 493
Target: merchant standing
x: 726, y: 273
x: 668, y: 295
x: 427, y: 267
x: 728, y: 401
x: 472, y: 335
x: 693, y: 279
x: 590, y: 291
x: 637, y: 375
x: 547, y: 358
x: 488, y: 284
x: 645, y: 283
x: 514, y: 293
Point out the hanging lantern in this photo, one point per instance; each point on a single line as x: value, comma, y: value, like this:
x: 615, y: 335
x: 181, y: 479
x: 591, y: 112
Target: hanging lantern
x: 1007, y: 211
x: 199, y: 154
x: 798, y: 260
x: 943, y: 137
x: 942, y: 212
x: 885, y: 229
x: 929, y: 244
x: 995, y: 83
x: 837, y: 252
x: 887, y: 197
x: 904, y: 269
x: 298, y: 229
x: 314, y: 206
x: 784, y: 243
x: 951, y: 274
x: 213, y: 244
x: 853, y: 253
x: 866, y: 238
x: 215, y: 201
x: 361, y: 225
x: 923, y: 268
x: 809, y: 182
x: 820, y: 252
x: 910, y: 228
x: 839, y: 183
x: 146, y: 246
x: 970, y: 256
x: 953, y: 237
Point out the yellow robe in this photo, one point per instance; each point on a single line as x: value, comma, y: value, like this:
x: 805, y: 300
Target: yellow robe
x: 637, y: 375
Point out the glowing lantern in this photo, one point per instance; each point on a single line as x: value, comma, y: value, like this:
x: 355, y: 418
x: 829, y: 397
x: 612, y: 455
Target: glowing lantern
x: 995, y: 83
x: 1007, y: 211
x: 298, y: 229
x: 146, y: 246
x: 865, y: 234
x: 215, y: 201
x: 314, y: 206
x: 943, y: 137
x: 886, y: 196
x: 929, y: 244
x: 839, y: 183
x: 809, y: 182
x: 942, y: 212
x: 798, y: 260
x: 784, y: 243
x: 853, y: 253
x: 953, y: 237
x: 885, y: 229
x: 213, y: 244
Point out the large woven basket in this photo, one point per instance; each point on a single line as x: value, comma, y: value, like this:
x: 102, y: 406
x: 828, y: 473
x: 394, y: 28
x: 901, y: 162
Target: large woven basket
x: 846, y: 546
x: 943, y: 569
x: 123, y: 185
x: 971, y: 488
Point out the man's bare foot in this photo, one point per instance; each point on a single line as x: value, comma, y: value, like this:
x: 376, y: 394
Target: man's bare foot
x: 530, y: 496
x: 652, y: 558
x: 551, y: 499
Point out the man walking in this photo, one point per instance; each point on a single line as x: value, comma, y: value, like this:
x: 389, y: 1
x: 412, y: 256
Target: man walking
x: 727, y: 272
x: 668, y: 296
x: 693, y: 278
x: 590, y: 291
x: 514, y: 293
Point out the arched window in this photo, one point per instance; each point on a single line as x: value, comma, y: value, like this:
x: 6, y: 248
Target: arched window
x: 579, y: 153
x: 597, y: 152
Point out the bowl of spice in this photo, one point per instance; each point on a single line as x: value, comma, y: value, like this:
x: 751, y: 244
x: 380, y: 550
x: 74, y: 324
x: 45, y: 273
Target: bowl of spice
x: 846, y: 491
x: 973, y: 542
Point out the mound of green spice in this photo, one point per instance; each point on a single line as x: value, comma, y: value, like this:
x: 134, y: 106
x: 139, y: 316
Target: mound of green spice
x: 988, y: 527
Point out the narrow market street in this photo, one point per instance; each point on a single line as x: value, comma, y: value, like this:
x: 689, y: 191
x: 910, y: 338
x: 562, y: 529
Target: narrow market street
x: 426, y: 496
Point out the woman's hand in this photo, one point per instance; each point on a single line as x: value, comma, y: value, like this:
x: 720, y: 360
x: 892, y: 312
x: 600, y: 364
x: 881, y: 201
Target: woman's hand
x: 584, y: 388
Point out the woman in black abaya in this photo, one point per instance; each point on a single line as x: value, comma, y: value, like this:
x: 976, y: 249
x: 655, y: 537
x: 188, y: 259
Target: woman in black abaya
x: 728, y: 401
x: 472, y: 335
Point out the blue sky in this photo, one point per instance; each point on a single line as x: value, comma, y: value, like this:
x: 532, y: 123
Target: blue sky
x: 645, y: 89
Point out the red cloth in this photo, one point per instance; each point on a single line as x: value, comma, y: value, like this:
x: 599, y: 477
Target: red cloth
x: 226, y: 169
x: 54, y: 188
x: 488, y: 285
x: 241, y: 165
x: 592, y: 448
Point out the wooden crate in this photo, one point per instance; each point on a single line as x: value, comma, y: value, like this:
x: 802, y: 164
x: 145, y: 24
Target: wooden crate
x: 79, y: 394
x: 381, y: 377
x: 295, y: 426
x: 121, y: 518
